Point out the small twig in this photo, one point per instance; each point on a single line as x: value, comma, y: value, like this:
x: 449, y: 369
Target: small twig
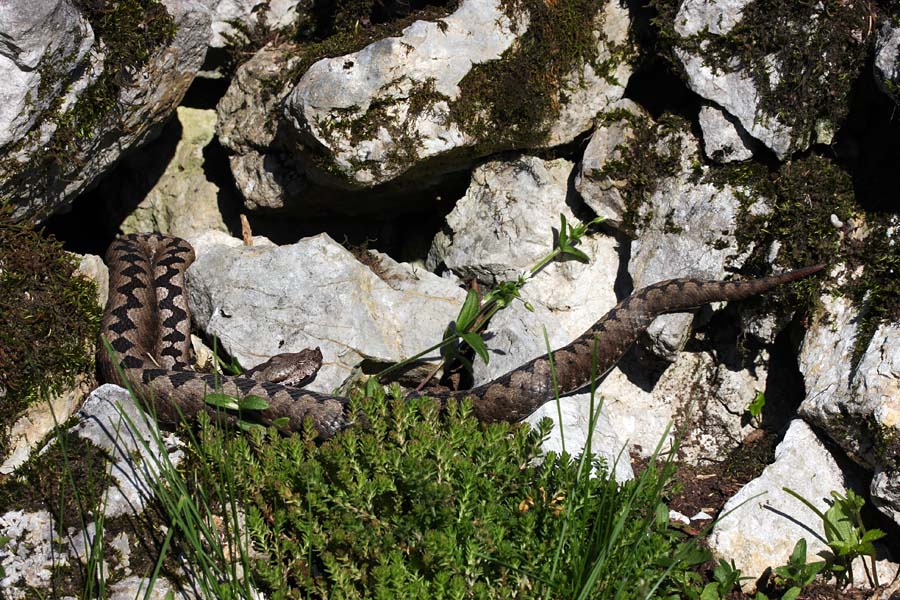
x: 246, y: 232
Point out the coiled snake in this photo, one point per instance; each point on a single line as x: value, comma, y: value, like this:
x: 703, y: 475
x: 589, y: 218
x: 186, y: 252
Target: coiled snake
x: 147, y: 323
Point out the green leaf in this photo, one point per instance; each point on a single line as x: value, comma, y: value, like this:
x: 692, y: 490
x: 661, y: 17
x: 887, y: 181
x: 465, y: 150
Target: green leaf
x: 756, y: 406
x: 791, y: 594
x: 252, y: 402
x: 710, y: 592
x: 563, y: 233
x: 477, y: 343
x: 373, y: 387
x: 468, y: 311
x: 575, y: 252
x: 248, y: 426
x: 282, y: 422
x: 221, y: 401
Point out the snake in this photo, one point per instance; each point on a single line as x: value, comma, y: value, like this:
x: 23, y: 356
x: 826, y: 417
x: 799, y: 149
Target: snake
x: 145, y: 345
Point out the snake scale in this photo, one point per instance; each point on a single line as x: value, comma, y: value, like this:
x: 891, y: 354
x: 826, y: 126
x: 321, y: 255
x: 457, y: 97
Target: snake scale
x: 147, y: 324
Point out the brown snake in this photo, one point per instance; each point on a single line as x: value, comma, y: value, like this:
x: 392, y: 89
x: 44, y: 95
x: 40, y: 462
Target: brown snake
x: 147, y: 323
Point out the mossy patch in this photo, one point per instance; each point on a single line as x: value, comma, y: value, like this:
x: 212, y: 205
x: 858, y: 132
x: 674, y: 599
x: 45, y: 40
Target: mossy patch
x: 651, y: 154
x: 817, y: 50
x: 512, y: 102
x: 129, y: 31
x: 49, y: 319
x: 816, y: 218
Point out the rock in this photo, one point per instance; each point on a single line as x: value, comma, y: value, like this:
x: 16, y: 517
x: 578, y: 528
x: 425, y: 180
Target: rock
x: 248, y: 125
x: 600, y: 191
x: 858, y: 406
x: 767, y: 69
x: 575, y: 426
x: 273, y: 15
x: 111, y: 420
x: 181, y: 200
x: 40, y: 419
x: 723, y: 141
x: 504, y: 224
x: 45, y: 49
x: 29, y: 554
x: 263, y: 301
x: 92, y: 267
x: 396, y: 108
x: 887, y: 60
x: 499, y: 230
x: 687, y: 229
x: 696, y: 394
x: 67, y: 148
x: 763, y: 522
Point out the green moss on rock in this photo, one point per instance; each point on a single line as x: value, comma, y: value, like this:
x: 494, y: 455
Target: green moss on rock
x: 129, y: 32
x: 816, y: 48
x: 49, y: 319
x: 513, y: 101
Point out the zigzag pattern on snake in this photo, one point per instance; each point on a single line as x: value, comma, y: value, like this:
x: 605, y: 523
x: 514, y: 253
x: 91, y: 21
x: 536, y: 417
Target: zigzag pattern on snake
x: 147, y: 323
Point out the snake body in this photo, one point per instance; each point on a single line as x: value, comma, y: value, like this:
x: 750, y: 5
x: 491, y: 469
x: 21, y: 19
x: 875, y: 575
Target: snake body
x: 147, y: 325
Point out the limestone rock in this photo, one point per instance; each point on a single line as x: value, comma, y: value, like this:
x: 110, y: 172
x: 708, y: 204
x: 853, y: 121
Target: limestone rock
x: 723, y: 141
x: 407, y: 87
x: 764, y: 522
x: 858, y: 406
x: 262, y: 301
x: 38, y: 180
x: 249, y: 14
x: 44, y: 49
x: 756, y: 65
x: 887, y: 60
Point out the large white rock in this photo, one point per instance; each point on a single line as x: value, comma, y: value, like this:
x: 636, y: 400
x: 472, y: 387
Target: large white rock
x: 385, y: 111
x: 266, y: 300
x: 248, y: 15
x: 722, y: 140
x: 858, y: 406
x: 763, y: 522
x: 38, y: 185
x: 43, y: 49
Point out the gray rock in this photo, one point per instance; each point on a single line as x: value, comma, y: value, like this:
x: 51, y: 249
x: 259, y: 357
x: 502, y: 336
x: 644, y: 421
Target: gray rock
x: 247, y: 125
x: 857, y: 407
x: 696, y: 393
x: 43, y: 49
x: 499, y: 230
x: 404, y: 87
x: 263, y: 301
x: 763, y: 522
x: 597, y: 188
x: 687, y: 230
x: 887, y: 60
x: 274, y: 15
x: 722, y: 140
x: 735, y: 91
x: 38, y: 185
x: 575, y: 427
x: 111, y: 420
x: 717, y: 17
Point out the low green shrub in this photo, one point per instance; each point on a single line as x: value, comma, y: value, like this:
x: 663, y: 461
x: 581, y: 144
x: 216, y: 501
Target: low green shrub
x: 418, y: 503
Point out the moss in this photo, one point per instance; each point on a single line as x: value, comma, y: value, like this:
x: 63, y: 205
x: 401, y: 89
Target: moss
x: 805, y: 197
x: 49, y: 318
x: 129, y: 31
x: 818, y: 49
x: 652, y: 153
x: 512, y: 102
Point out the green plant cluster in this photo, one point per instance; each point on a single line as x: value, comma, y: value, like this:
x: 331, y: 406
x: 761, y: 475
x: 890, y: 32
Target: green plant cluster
x: 422, y: 504
x: 49, y: 318
x: 817, y: 48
